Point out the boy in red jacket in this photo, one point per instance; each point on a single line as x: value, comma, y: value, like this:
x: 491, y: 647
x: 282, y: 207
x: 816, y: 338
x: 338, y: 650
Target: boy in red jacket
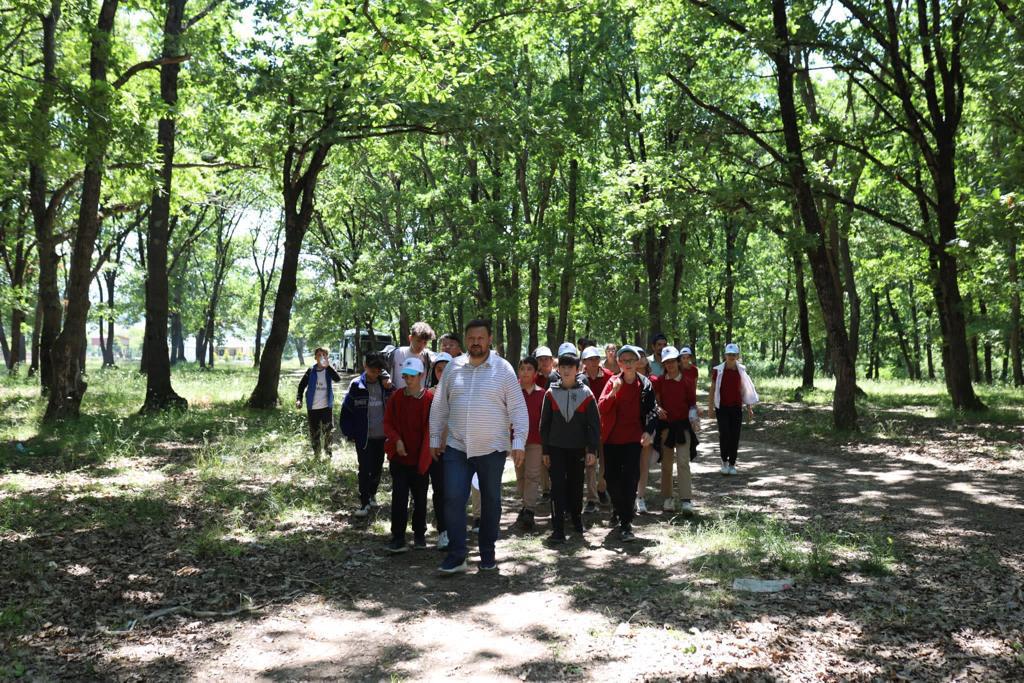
x: 407, y: 445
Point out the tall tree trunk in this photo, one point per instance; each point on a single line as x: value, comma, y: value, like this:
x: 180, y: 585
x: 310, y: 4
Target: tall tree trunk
x: 36, y: 325
x: 533, y: 303
x: 298, y: 192
x: 177, y: 340
x: 550, y: 331
x: 201, y: 347
x: 928, y: 342
x: 972, y: 342
x: 3, y: 344
x: 915, y: 329
x: 876, y: 323
x: 731, y: 232
x: 160, y: 394
x: 45, y: 207
x: 830, y: 297
x: 983, y: 309
x: 782, y: 342
x: 69, y: 385
x: 569, y: 266
x: 897, y: 326
x: 109, y: 276
x: 1015, y: 317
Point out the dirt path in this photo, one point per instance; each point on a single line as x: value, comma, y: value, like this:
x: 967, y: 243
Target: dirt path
x: 604, y: 611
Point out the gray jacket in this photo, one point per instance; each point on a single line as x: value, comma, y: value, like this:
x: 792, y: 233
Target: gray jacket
x: 569, y: 419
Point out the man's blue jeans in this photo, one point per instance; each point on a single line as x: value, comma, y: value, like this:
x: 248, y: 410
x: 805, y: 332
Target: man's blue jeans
x: 458, y: 474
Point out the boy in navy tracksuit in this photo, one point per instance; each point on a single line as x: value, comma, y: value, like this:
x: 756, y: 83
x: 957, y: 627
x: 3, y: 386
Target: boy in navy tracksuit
x: 318, y: 385
x: 570, y: 430
x: 362, y: 421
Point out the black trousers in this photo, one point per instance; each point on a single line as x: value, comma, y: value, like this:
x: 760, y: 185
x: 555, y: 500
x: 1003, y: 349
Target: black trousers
x: 406, y: 480
x: 622, y: 472
x: 371, y: 463
x: 436, y: 476
x: 730, y: 420
x: 321, y: 424
x: 568, y: 466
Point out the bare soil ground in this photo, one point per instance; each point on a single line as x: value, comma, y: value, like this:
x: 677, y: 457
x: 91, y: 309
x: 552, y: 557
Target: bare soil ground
x: 136, y: 588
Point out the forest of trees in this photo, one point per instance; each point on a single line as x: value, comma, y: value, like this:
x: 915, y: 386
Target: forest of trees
x: 836, y: 186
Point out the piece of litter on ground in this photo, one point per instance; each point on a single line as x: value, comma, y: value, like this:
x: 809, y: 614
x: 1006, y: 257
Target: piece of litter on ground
x: 623, y: 629
x: 762, y: 585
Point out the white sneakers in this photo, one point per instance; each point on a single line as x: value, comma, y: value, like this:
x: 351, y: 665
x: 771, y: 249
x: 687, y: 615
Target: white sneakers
x: 641, y: 506
x: 669, y: 505
x: 725, y: 468
x: 732, y: 470
x: 363, y: 511
x: 686, y: 506
x: 442, y: 540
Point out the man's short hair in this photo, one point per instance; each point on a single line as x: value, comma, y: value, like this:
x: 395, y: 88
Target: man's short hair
x: 583, y: 343
x: 478, y: 322
x: 422, y: 330
x: 374, y: 360
x: 531, y: 361
x: 318, y: 350
x: 452, y: 337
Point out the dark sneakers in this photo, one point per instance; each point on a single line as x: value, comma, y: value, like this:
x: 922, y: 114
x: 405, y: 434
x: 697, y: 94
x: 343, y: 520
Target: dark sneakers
x: 488, y: 565
x: 397, y: 546
x: 627, y: 534
x: 577, y: 525
x: 556, y: 538
x: 525, y: 520
x: 604, y: 498
x: 420, y: 543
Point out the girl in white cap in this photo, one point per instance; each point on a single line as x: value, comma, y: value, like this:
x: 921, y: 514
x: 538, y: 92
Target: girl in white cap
x: 731, y: 390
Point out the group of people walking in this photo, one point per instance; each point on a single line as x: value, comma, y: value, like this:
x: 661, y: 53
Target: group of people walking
x: 580, y: 426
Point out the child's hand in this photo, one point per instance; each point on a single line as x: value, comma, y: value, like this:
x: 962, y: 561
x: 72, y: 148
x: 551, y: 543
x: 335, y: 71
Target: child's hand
x: 646, y: 439
x: 616, y: 384
x: 547, y: 461
x: 298, y: 403
x: 400, y: 447
x: 662, y: 414
x: 518, y: 458
x: 591, y: 459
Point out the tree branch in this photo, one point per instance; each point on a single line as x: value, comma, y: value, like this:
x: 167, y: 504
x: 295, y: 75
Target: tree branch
x: 148, y: 64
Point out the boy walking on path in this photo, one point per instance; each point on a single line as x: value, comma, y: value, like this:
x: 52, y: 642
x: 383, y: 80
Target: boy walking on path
x: 677, y: 395
x: 731, y: 390
x: 570, y: 429
x: 318, y: 385
x: 629, y: 417
x: 528, y: 467
x: 406, y: 427
x: 362, y: 421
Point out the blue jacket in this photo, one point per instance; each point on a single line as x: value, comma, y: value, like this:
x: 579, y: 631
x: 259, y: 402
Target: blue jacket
x: 354, y: 414
x: 310, y: 387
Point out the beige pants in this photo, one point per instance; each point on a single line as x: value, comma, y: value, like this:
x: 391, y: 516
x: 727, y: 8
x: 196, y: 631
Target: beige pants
x: 545, y: 480
x: 528, y: 476
x: 681, y: 453
x: 594, y: 477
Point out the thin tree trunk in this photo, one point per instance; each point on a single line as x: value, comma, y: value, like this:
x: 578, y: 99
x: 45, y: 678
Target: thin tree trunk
x: 568, y: 278
x: 915, y: 328
x: 36, y: 325
x: 533, y: 303
x: 160, y: 394
x: 897, y: 326
x: 876, y: 323
x: 928, y: 342
x: 109, y: 276
x: 3, y: 345
x: 69, y: 385
x: 1015, y: 316
x: 830, y: 297
x: 782, y: 342
x: 983, y: 309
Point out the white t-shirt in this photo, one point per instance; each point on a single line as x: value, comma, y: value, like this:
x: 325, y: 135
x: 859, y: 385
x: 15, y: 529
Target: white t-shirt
x: 398, y: 358
x: 320, y: 391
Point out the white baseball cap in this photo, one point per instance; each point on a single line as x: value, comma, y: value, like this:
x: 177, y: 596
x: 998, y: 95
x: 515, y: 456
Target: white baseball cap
x: 542, y: 351
x: 685, y: 351
x: 567, y: 347
x: 443, y: 358
x: 591, y: 352
x: 627, y: 348
x: 732, y: 348
x: 412, y: 366
x: 669, y: 353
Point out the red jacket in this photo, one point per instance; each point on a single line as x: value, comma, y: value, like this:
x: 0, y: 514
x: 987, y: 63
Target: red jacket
x: 408, y: 419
